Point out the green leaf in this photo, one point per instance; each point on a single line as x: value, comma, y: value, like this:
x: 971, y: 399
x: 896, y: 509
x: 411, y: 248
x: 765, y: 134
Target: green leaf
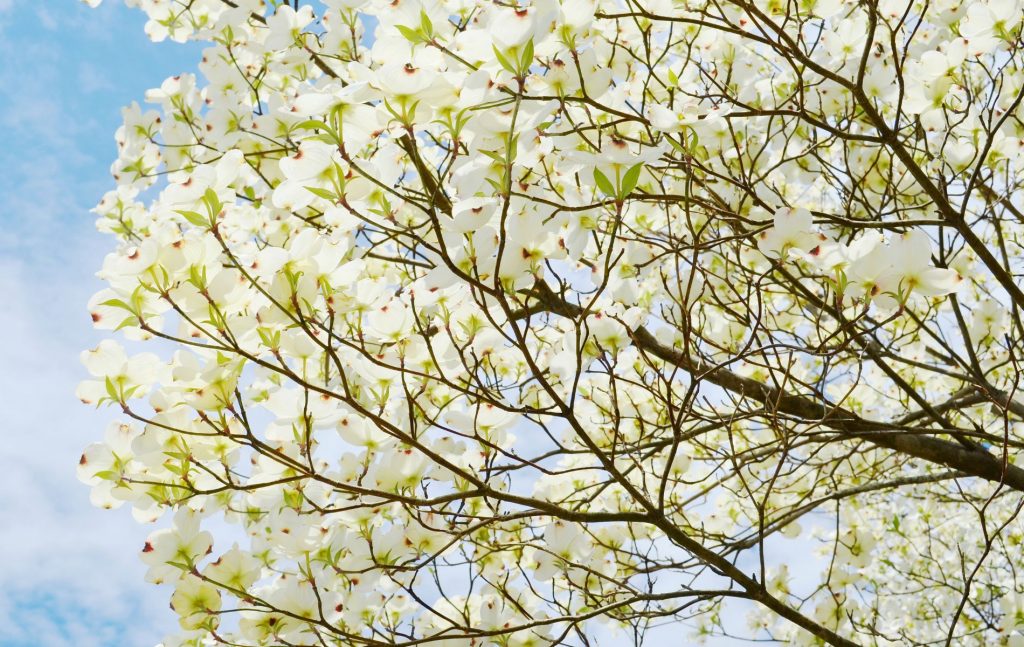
x: 410, y: 34
x: 503, y: 61
x: 326, y: 138
x: 526, y: 60
x: 117, y: 303
x: 513, y: 148
x: 197, y: 276
x: 676, y: 145
x: 212, y: 201
x: 322, y: 193
x: 629, y: 181
x: 127, y: 323
x: 293, y: 499
x: 196, y: 219
x: 425, y: 25
x: 112, y: 390
x: 603, y: 183
x: 691, y: 138
x: 311, y: 124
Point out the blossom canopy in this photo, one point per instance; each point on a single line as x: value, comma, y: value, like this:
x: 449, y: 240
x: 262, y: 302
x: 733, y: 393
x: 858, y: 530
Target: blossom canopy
x: 464, y: 322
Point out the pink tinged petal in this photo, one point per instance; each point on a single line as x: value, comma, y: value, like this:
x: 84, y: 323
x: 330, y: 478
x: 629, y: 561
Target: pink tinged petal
x: 95, y: 458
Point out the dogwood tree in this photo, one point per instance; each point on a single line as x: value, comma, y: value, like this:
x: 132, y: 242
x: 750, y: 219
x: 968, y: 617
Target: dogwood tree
x: 466, y: 322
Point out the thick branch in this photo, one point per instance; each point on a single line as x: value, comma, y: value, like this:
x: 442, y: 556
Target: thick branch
x: 977, y: 463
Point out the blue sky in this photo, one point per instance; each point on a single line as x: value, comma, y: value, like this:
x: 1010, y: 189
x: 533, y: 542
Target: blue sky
x: 69, y: 574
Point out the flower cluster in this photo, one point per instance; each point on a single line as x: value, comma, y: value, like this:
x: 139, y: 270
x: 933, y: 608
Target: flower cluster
x: 490, y: 323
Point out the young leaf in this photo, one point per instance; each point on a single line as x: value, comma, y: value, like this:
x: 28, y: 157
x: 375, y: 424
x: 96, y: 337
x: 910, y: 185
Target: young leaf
x: 603, y: 183
x: 322, y: 193
x: 425, y: 25
x: 526, y: 60
x: 196, y: 219
x: 412, y: 35
x: 503, y: 61
x: 213, y: 203
x: 629, y: 181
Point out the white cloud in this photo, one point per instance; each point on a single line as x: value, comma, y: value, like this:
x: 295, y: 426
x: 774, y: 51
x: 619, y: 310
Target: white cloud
x: 92, y: 79
x: 46, y: 19
x: 70, y: 574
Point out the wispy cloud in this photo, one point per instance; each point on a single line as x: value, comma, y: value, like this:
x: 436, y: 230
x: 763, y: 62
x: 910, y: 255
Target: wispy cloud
x: 69, y: 574
x: 92, y: 79
x: 63, y: 581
